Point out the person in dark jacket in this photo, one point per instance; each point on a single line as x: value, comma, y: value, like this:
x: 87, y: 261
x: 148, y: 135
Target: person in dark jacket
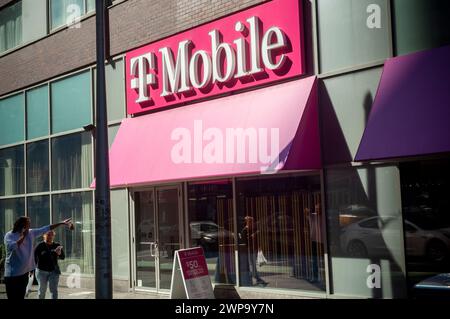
x: 46, y: 255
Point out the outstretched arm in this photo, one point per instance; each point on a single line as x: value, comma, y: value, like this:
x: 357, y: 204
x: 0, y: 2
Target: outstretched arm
x: 66, y: 222
x: 40, y: 231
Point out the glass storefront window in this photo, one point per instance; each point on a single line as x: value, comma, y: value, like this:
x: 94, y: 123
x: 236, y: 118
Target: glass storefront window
x: 281, y: 232
x: 38, y: 209
x: 71, y: 161
x: 79, y: 243
x: 11, y: 26
x: 365, y: 233
x: 37, y: 112
x: 10, y: 210
x: 37, y: 167
x: 12, y: 119
x: 11, y: 171
x: 71, y: 102
x: 211, y: 226
x: 425, y: 189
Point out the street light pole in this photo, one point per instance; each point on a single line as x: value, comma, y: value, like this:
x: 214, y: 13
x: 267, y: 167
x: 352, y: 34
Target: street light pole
x: 103, y: 262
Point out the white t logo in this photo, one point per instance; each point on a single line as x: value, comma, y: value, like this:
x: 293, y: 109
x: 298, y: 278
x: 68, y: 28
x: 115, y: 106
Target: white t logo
x: 139, y: 67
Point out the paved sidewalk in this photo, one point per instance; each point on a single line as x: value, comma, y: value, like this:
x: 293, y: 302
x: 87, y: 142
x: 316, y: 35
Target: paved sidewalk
x: 66, y: 293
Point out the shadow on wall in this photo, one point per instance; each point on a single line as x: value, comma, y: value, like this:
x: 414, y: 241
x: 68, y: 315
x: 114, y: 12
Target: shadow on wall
x: 360, y: 233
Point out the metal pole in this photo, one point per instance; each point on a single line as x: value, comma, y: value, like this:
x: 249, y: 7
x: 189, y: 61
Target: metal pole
x: 103, y: 262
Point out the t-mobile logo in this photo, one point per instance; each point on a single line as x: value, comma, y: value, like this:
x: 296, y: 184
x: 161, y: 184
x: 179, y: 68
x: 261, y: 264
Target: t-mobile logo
x: 140, y: 68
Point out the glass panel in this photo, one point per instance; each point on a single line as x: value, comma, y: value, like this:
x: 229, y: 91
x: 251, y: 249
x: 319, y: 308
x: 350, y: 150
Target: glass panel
x: 38, y: 209
x: 37, y: 112
x: 71, y: 102
x: 365, y: 232
x: 426, y: 209
x: 72, y: 161
x: 65, y: 11
x: 115, y: 89
x: 12, y: 119
x: 119, y: 233
x: 281, y: 233
x: 34, y: 23
x: 11, y: 26
x: 420, y: 24
x: 211, y: 226
x: 79, y: 243
x: 145, y: 239
x: 12, y: 171
x: 10, y: 211
x: 168, y: 231
x: 37, y: 167
x: 345, y: 38
x: 91, y: 5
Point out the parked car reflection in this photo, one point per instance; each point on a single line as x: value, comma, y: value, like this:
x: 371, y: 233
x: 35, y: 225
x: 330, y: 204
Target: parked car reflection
x: 207, y: 235
x: 365, y: 238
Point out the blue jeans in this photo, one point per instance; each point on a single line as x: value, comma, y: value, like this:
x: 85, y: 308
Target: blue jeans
x: 50, y: 279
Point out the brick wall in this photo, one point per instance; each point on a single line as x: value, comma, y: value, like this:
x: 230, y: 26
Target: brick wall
x: 132, y: 23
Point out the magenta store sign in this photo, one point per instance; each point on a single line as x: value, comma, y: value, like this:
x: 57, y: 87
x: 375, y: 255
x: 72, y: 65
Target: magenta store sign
x: 257, y: 46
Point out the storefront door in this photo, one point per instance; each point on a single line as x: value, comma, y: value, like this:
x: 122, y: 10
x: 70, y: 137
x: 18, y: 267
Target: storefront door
x: 157, y: 236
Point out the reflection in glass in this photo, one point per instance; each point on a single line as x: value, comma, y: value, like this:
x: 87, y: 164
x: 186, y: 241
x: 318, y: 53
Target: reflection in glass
x: 426, y: 211
x: 78, y: 243
x: 37, y: 167
x: 12, y: 119
x: 145, y: 239
x: 365, y: 231
x: 11, y: 171
x: 10, y: 210
x: 38, y: 209
x: 71, y: 102
x: 64, y: 11
x: 71, y: 161
x: 211, y: 227
x: 10, y: 26
x: 168, y: 233
x: 280, y: 233
x: 37, y: 112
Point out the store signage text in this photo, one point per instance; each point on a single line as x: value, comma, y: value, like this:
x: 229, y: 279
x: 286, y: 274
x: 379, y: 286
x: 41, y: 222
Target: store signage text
x: 253, y: 47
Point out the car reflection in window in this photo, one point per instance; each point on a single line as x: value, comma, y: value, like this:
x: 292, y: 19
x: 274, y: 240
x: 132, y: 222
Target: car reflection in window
x: 207, y: 235
x: 365, y: 238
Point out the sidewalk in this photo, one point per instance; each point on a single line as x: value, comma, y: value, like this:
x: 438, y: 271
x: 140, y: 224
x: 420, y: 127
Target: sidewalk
x: 66, y: 293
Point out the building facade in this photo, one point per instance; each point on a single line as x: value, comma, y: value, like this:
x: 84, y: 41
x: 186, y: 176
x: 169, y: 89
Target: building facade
x: 333, y: 220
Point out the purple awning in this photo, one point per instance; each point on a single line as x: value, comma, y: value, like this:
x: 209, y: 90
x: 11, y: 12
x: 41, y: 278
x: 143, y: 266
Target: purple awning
x: 411, y: 112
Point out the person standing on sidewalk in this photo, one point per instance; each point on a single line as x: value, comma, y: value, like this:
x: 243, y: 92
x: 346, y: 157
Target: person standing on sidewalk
x: 46, y: 255
x: 19, y: 254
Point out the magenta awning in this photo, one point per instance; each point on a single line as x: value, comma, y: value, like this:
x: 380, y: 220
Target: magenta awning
x: 411, y: 112
x: 143, y: 150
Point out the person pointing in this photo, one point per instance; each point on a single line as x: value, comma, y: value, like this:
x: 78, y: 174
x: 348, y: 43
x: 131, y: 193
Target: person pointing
x: 20, y: 256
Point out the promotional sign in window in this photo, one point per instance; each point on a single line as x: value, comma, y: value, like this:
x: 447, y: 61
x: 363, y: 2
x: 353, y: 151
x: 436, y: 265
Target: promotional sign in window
x: 190, y: 278
x: 256, y: 46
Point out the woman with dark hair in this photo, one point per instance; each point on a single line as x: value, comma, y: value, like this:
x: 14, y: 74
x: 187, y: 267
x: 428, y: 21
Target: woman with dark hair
x: 19, y: 254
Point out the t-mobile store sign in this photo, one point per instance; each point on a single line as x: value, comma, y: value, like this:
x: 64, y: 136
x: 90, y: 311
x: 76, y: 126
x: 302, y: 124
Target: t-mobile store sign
x: 253, y: 47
